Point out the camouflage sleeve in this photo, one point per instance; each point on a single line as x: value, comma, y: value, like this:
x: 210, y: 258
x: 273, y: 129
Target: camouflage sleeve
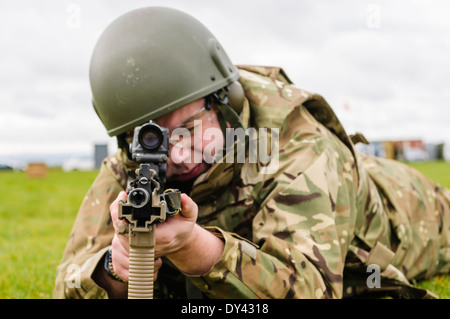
x: 303, y: 225
x: 91, y: 235
x: 419, y: 214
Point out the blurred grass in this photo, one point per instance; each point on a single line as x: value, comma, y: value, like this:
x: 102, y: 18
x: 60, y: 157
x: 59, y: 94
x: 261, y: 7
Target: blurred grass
x: 438, y: 171
x: 36, y: 217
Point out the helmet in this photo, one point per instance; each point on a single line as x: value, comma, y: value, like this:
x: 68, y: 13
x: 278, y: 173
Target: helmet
x: 151, y: 61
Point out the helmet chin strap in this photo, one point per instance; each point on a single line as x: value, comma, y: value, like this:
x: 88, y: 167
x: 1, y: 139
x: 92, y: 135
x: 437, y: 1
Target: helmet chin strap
x: 227, y: 115
x: 123, y: 144
x: 229, y: 101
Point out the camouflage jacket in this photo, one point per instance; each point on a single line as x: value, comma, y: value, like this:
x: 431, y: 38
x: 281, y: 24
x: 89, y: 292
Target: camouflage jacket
x: 309, y: 229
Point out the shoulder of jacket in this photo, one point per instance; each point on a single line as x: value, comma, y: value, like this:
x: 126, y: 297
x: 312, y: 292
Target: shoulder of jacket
x: 270, y: 86
x: 270, y: 91
x: 114, y: 165
x: 272, y: 72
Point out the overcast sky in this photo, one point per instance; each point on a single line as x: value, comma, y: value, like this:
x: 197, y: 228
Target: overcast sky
x: 382, y: 65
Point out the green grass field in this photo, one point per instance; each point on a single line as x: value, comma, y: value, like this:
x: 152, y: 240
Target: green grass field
x: 36, y: 217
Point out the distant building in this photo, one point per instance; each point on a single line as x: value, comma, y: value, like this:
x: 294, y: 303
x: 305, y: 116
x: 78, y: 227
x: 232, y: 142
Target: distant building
x: 101, y: 151
x: 405, y: 150
x: 37, y: 170
x: 87, y: 163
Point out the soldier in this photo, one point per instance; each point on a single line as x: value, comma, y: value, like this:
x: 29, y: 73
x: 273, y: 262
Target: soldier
x: 310, y: 228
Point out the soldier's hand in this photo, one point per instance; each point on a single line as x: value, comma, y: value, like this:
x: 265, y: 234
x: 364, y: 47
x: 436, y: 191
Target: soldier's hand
x: 176, y: 232
x: 190, y: 247
x: 120, y: 243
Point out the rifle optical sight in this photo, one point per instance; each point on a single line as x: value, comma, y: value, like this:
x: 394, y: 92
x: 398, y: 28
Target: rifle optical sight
x: 150, y: 136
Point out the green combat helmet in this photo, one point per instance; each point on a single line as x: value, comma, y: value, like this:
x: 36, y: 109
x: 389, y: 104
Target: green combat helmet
x: 151, y: 61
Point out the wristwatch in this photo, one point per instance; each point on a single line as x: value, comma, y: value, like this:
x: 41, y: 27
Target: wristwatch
x: 109, y: 267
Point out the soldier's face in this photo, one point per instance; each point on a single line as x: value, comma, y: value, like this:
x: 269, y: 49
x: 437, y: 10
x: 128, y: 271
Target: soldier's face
x: 195, y: 135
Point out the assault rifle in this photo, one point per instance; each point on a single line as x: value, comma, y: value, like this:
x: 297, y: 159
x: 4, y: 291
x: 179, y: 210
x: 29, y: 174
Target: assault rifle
x: 146, y: 205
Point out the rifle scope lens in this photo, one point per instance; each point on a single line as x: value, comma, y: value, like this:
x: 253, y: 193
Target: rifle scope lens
x: 150, y: 136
